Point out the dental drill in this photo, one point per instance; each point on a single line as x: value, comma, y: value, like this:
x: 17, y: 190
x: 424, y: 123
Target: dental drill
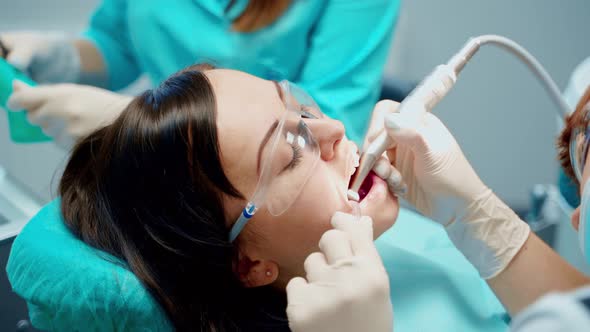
x: 436, y: 86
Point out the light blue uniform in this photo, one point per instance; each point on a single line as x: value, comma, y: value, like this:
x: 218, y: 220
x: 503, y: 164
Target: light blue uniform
x: 334, y: 49
x: 557, y: 312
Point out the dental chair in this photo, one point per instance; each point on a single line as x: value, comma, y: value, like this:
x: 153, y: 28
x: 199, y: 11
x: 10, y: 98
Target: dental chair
x: 70, y: 286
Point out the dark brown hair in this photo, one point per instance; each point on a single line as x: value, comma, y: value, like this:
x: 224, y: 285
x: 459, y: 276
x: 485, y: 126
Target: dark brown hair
x: 258, y: 14
x: 148, y: 190
x: 576, y: 120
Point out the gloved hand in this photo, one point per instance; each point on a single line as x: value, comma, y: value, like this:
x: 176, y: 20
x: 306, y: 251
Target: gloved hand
x: 347, y: 288
x: 45, y: 57
x: 442, y: 184
x: 67, y: 112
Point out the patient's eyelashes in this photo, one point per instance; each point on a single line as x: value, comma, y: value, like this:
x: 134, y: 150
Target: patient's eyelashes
x: 297, y: 155
x: 307, y: 112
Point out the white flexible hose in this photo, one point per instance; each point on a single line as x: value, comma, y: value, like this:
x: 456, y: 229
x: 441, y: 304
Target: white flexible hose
x: 472, y: 46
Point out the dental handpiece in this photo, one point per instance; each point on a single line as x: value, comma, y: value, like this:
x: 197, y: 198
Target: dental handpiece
x: 421, y: 100
x: 436, y: 86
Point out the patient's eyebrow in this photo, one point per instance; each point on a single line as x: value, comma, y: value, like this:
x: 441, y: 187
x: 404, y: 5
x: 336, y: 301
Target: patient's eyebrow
x: 263, y: 143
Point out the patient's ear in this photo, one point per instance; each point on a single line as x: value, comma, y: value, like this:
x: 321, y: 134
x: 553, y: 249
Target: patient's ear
x: 256, y: 272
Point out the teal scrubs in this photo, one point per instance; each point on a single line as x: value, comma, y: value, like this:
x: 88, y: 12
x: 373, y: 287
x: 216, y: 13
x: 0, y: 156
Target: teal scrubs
x: 334, y: 49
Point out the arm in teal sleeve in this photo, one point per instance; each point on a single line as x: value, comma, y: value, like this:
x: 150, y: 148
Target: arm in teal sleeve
x: 344, y: 65
x: 108, y: 32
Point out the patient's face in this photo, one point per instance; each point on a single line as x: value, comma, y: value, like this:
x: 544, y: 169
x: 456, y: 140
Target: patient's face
x: 247, y: 106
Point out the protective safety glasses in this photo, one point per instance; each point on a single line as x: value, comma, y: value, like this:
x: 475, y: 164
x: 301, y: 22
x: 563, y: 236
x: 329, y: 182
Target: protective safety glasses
x: 287, y: 159
x: 579, y: 144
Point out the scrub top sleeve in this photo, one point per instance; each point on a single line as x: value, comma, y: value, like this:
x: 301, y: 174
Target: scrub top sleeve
x: 108, y: 32
x: 556, y: 312
x: 344, y: 64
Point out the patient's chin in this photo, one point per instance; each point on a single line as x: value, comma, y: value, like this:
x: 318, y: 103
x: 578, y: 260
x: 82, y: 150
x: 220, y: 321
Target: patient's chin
x: 385, y: 218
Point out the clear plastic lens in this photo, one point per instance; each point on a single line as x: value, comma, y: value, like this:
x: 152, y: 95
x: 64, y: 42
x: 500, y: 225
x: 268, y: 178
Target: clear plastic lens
x: 297, y: 100
x: 291, y: 154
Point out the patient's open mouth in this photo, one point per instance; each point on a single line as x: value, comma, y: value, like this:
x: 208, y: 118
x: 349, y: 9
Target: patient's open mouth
x: 366, y: 186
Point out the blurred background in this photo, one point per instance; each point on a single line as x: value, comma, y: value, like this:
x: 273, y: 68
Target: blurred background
x: 499, y: 113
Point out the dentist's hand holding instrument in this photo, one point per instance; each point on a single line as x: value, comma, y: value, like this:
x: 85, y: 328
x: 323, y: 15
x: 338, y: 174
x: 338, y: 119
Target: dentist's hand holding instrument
x: 442, y: 184
x: 437, y: 179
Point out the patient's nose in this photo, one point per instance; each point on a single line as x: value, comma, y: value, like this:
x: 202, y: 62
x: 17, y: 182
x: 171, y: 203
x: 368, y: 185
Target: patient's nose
x: 327, y: 132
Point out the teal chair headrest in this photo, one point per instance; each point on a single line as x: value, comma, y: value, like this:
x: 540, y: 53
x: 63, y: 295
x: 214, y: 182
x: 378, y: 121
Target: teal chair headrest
x: 69, y: 285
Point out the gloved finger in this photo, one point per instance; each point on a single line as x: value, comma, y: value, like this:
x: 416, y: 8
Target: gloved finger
x: 335, y: 245
x: 41, y: 115
x: 381, y: 109
x: 10, y: 39
x: 386, y: 171
x: 299, y: 296
x: 403, y: 130
x: 27, y: 97
x: 20, y: 57
x: 295, y: 286
x: 52, y: 126
x: 64, y: 140
x: 314, y: 265
x: 302, y: 304
x: 360, y: 232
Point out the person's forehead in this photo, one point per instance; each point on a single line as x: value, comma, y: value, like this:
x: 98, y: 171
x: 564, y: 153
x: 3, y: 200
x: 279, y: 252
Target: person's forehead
x: 241, y: 92
x: 246, y: 107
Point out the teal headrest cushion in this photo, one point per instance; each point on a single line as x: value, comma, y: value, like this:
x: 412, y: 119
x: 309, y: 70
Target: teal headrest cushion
x: 69, y: 285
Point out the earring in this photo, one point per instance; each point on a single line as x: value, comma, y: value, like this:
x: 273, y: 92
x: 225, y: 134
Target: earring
x: 268, y: 273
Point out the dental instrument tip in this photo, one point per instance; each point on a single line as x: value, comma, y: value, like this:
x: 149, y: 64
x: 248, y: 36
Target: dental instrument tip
x: 365, y: 166
x: 353, y: 195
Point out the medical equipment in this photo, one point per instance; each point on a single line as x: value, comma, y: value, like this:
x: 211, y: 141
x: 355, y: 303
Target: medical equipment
x: 547, y: 207
x: 286, y: 159
x: 21, y: 130
x: 435, y: 87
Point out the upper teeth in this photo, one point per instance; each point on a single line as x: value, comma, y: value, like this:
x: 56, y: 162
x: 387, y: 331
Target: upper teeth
x: 355, y: 160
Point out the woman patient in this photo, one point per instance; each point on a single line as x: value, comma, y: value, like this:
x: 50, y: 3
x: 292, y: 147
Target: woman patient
x: 162, y: 188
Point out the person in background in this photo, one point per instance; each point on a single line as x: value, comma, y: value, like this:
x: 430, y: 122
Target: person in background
x: 333, y: 49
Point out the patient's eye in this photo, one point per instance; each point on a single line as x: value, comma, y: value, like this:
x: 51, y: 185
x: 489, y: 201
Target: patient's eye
x: 307, y: 112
